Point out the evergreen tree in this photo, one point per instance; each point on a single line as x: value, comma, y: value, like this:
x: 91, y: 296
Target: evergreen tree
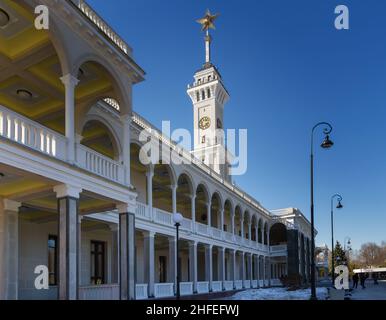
x: 339, y: 255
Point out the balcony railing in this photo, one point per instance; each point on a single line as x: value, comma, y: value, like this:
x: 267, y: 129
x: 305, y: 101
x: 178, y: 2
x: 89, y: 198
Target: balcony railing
x: 94, y: 162
x: 102, y: 25
x: 238, y: 284
x: 216, y: 286
x: 141, y: 291
x: 99, y: 292
x: 163, y: 290
x: 203, y: 287
x: 186, y: 288
x: 22, y: 130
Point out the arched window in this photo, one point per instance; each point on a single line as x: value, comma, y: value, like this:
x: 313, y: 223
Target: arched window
x: 203, y: 95
x: 208, y: 93
x: 198, y: 96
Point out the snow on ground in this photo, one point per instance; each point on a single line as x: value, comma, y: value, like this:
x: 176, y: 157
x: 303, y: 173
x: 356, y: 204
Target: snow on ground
x: 279, y: 294
x: 372, y: 292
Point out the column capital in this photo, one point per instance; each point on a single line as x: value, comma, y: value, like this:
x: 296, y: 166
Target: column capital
x: 66, y: 190
x: 10, y: 205
x: 193, y: 243
x: 69, y: 80
x: 127, y: 207
x: 80, y: 218
x: 78, y: 138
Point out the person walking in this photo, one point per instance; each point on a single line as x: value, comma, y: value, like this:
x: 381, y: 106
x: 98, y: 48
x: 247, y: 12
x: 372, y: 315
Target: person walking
x: 355, y: 280
x: 362, y: 278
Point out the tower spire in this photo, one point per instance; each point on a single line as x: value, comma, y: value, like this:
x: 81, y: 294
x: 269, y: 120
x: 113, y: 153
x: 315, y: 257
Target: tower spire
x: 207, y: 23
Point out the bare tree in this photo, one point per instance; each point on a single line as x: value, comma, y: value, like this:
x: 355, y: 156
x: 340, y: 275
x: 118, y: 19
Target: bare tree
x: 371, y: 254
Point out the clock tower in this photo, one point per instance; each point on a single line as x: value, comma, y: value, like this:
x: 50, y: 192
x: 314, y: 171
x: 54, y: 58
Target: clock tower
x: 209, y: 95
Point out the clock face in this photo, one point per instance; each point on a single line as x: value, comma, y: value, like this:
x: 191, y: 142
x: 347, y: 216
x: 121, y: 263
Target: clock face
x: 204, y: 123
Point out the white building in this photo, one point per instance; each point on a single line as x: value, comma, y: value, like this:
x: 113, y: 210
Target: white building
x: 74, y: 196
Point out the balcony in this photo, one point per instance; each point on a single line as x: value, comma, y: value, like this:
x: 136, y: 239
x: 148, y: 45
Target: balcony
x: 164, y: 218
x: 28, y: 133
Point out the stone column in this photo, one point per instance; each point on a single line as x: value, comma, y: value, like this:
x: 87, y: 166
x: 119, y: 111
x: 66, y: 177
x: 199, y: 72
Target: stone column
x: 172, y: 262
x: 126, y: 121
x: 209, y: 214
x: 250, y: 230
x: 174, y: 198
x: 233, y: 265
x: 70, y: 82
x: 148, y: 250
x: 209, y: 265
x: 256, y: 235
x: 149, y: 187
x: 193, y: 264
x: 193, y: 206
x: 68, y: 202
x: 9, y: 249
x: 127, y: 250
x: 233, y: 223
x: 221, y: 265
x: 114, y: 253
x: 221, y: 219
x: 243, y: 267
x: 80, y: 218
x: 264, y: 272
x: 242, y: 227
x: 258, y: 270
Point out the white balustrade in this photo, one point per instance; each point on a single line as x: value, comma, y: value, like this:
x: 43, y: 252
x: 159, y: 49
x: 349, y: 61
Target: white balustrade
x: 254, y: 283
x: 216, y: 233
x: 187, y: 224
x: 238, y: 284
x: 141, y: 292
x: 239, y: 240
x: 163, y: 217
x: 22, y: 130
x: 229, y: 236
x: 247, y: 284
x: 202, y: 228
x: 142, y: 211
x: 96, y: 163
x: 163, y: 290
x: 261, y: 283
x: 99, y: 292
x: 278, y: 248
x: 202, y: 287
x: 228, y: 285
x: 186, y: 288
x: 217, y: 286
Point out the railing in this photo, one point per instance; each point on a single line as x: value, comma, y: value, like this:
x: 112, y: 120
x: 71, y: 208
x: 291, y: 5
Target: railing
x: 102, y: 25
x: 99, y: 292
x: 186, y: 288
x: 247, y: 284
x: 163, y: 290
x: 163, y: 217
x: 142, y: 211
x: 202, y: 229
x: 216, y: 286
x: 254, y: 283
x: 187, y: 157
x: 228, y: 285
x: 187, y: 224
x: 239, y: 240
x: 94, y: 162
x: 24, y: 131
x: 238, y: 284
x: 279, y: 248
x: 261, y: 283
x: 203, y: 287
x: 141, y: 292
x: 216, y: 233
x: 228, y: 236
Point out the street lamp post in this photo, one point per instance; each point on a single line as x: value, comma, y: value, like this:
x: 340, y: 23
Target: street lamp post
x: 177, y: 219
x: 339, y: 206
x: 327, y: 143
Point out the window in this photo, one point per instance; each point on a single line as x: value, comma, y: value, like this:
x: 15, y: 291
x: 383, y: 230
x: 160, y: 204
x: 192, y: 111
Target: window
x: 203, y: 95
x: 198, y: 96
x: 52, y: 260
x: 98, y: 253
x: 209, y: 78
x: 203, y: 139
x: 208, y: 93
x: 162, y: 269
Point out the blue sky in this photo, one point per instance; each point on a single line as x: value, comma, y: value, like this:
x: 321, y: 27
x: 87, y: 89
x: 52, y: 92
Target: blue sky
x: 286, y: 68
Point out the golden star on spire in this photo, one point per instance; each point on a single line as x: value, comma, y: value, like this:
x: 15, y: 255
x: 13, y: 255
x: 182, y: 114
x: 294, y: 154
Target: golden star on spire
x: 207, y: 21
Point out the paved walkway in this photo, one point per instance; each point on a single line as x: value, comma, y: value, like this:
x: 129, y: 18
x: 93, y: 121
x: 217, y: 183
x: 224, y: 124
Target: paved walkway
x: 372, y: 292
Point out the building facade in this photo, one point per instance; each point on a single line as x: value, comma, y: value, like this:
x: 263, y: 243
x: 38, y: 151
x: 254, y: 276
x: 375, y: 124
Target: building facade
x: 75, y: 196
